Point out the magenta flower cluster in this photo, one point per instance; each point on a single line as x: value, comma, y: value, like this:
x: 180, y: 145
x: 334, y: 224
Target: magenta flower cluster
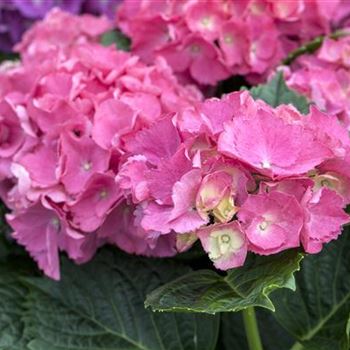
x: 98, y: 147
x: 208, y: 40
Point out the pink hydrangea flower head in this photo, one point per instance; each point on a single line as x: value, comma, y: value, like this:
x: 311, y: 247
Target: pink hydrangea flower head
x: 324, y: 78
x: 226, y: 244
x: 272, y: 222
x: 102, y: 146
x: 249, y: 37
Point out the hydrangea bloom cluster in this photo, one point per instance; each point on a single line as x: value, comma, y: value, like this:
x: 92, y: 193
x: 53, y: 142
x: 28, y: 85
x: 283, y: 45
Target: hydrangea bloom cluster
x: 18, y: 15
x: 208, y: 41
x: 97, y: 147
x: 324, y: 78
x: 240, y: 176
x: 68, y: 111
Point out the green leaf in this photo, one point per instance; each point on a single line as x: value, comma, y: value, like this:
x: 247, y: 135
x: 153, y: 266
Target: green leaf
x: 100, y: 306
x: 207, y: 291
x: 317, y: 314
x: 276, y: 92
x: 117, y: 38
x: 12, y: 311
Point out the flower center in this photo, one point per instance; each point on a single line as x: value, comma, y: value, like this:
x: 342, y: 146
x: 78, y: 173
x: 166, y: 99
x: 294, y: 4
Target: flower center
x: 87, y: 166
x: 325, y: 183
x: 206, y: 22
x: 228, y: 39
x: 103, y: 194
x: 195, y: 48
x: 265, y: 164
x: 263, y: 225
x: 225, y: 238
x: 224, y: 242
x: 55, y: 222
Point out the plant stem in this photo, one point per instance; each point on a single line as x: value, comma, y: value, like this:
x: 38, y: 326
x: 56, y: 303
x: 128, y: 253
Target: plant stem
x: 313, y: 45
x: 251, y: 329
x: 297, y: 346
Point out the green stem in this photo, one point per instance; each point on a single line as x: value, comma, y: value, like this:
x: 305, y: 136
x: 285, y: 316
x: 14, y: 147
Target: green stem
x: 313, y: 45
x: 297, y: 346
x: 251, y: 329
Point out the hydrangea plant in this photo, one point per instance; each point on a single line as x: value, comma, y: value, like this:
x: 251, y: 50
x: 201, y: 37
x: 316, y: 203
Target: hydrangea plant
x: 170, y: 199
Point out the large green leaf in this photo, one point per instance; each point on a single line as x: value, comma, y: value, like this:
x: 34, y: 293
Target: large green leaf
x: 207, y: 291
x: 276, y: 92
x: 13, y: 296
x: 317, y: 314
x: 100, y: 306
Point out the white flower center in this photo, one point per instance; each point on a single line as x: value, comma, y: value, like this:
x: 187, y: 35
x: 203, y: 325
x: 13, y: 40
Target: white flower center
x: 87, y: 166
x: 265, y: 164
x: 207, y: 22
x: 228, y: 39
x: 225, y: 239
